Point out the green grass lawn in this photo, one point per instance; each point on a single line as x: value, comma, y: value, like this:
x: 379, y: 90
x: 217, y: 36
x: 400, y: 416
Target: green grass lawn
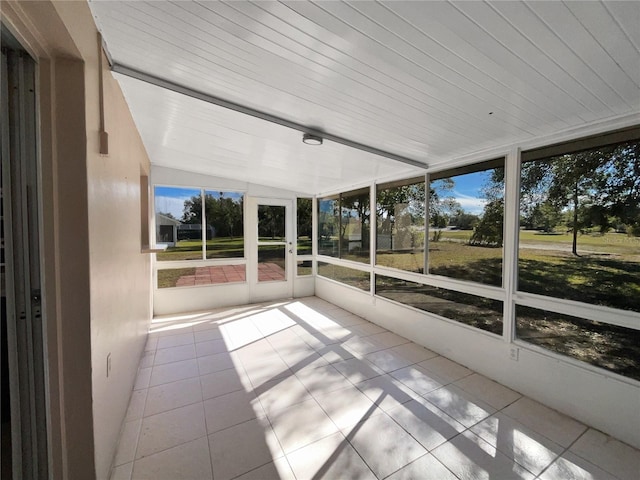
x: 614, y: 243
x: 607, y: 273
x: 169, y: 278
x: 192, y: 249
x: 349, y: 276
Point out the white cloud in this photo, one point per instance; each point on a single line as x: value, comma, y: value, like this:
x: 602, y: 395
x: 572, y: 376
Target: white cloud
x: 172, y: 205
x: 470, y: 204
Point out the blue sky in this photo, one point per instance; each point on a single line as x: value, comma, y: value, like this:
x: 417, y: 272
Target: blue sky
x: 171, y: 199
x: 467, y: 191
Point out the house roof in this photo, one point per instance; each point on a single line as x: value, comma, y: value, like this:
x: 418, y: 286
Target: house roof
x: 427, y: 81
x: 168, y: 219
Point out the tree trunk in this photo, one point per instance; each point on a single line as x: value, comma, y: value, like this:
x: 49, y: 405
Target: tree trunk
x: 574, y: 246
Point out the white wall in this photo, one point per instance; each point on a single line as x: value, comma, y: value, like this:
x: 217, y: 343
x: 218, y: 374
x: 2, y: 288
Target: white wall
x: 119, y: 274
x: 96, y: 280
x: 599, y: 400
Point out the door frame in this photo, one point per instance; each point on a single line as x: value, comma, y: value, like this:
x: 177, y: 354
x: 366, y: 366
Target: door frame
x: 265, y: 291
x: 23, y: 231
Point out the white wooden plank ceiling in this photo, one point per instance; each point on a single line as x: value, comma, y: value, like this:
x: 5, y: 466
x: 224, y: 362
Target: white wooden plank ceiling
x: 430, y: 81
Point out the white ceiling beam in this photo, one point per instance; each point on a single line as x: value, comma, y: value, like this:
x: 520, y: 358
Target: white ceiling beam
x: 205, y: 97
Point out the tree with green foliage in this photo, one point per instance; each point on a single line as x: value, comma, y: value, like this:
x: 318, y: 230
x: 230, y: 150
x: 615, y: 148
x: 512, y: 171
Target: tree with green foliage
x: 224, y: 214
x: 489, y: 231
x: 355, y: 206
x: 464, y: 221
x: 490, y: 228
x: 442, y: 208
x: 271, y: 221
x: 599, y: 187
x: 398, y: 208
x: 304, y: 217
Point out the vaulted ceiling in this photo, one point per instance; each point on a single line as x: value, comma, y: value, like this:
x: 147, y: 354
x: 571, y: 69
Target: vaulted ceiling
x: 428, y: 81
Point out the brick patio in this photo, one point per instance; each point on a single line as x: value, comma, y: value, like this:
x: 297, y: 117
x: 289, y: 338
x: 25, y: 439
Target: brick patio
x: 230, y: 274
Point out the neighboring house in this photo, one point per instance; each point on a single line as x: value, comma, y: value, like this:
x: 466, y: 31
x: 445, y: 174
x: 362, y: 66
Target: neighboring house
x: 193, y: 231
x: 167, y: 229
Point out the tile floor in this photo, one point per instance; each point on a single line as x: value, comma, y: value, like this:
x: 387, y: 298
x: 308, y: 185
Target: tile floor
x: 301, y: 389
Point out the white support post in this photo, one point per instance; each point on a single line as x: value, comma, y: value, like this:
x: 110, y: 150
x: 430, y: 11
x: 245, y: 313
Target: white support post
x: 372, y: 237
x: 427, y: 206
x: 510, y: 240
x: 314, y: 234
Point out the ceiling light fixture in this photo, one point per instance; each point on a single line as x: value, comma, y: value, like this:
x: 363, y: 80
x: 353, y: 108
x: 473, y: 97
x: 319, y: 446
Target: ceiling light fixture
x: 310, y: 139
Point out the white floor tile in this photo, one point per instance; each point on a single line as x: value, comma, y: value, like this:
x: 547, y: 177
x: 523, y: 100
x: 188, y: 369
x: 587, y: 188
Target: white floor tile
x: 608, y: 453
x: 330, y: 458
x: 471, y: 458
x: 445, y: 368
x: 282, y: 393
x: 460, y: 405
x: 413, y: 352
x: 418, y: 379
x: 215, y: 363
x: 279, y: 469
x: 539, y: 418
x: 256, y: 351
x: 388, y: 339
x: 173, y: 395
x: 386, y: 392
x: 175, y: 340
x: 136, y: 405
x: 311, y: 337
x: 337, y: 334
x: 207, y: 335
x: 152, y: 344
x: 143, y: 378
x: 128, y: 441
x: 322, y: 380
x: 347, y: 407
x: 363, y: 345
x: 147, y: 359
x: 171, y: 372
x: 211, y: 347
x: 388, y: 360
x: 496, y: 395
x: 242, y: 448
x: 573, y: 467
x: 426, y: 467
x: 300, y: 425
x: 300, y: 358
x: 175, y: 354
x: 383, y: 444
x: 425, y: 422
x: 366, y: 329
x: 527, y: 448
x: 122, y: 472
x: 269, y: 368
x: 357, y: 370
x: 220, y: 383
x: 335, y: 353
x: 189, y: 461
x: 231, y: 409
x: 241, y: 361
x: 169, y: 429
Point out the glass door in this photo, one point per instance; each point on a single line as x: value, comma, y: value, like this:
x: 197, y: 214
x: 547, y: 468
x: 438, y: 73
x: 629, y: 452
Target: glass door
x: 273, y: 253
